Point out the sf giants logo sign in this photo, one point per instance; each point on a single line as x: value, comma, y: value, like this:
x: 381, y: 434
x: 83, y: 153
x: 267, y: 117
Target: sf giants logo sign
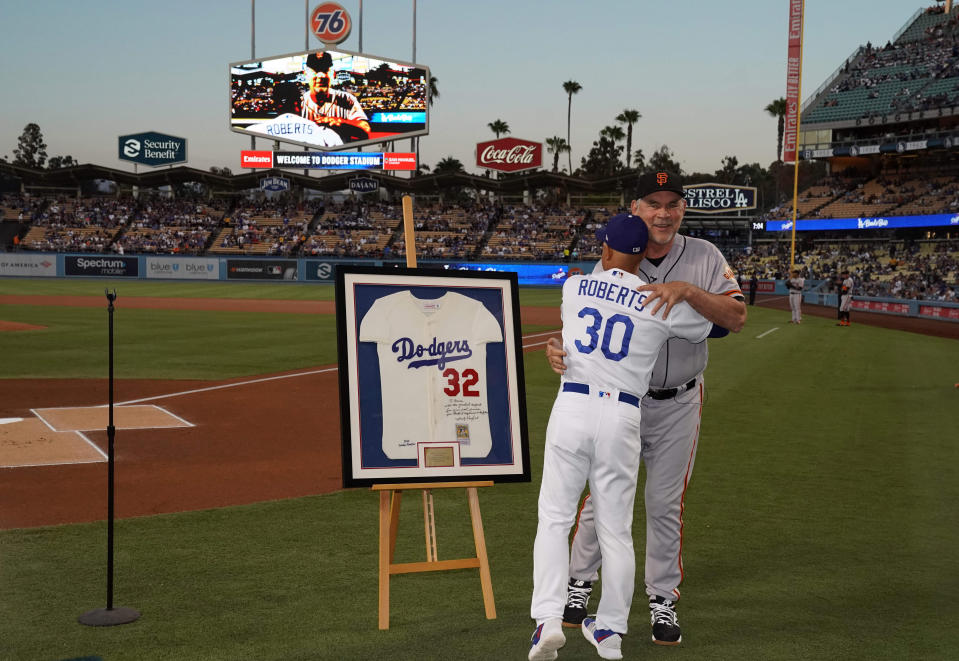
x: 661, y: 178
x: 509, y: 154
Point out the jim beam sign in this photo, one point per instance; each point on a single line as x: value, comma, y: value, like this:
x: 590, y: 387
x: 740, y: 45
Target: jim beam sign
x: 719, y: 198
x: 509, y: 155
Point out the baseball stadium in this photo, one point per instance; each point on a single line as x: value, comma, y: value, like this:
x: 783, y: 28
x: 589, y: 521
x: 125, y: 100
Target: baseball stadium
x: 185, y: 329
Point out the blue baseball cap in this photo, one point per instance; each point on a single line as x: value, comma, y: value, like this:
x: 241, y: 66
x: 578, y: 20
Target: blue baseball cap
x: 625, y: 233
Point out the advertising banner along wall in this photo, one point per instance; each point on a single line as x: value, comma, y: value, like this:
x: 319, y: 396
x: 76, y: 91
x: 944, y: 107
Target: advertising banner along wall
x: 183, y: 268
x: 261, y: 269
x: 105, y: 266
x: 29, y: 265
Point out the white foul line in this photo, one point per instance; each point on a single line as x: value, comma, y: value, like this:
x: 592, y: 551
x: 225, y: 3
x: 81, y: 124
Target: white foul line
x: 552, y: 332
x: 283, y: 376
x: 759, y: 337
x: 227, y: 385
x: 92, y: 445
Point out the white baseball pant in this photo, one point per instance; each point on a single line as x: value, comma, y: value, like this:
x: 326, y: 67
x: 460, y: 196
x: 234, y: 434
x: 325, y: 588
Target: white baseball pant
x: 595, y: 438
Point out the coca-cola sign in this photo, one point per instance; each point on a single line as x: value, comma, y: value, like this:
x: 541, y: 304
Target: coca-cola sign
x: 509, y: 154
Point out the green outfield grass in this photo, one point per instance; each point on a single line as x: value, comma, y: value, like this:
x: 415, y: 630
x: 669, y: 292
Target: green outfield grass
x: 171, y: 344
x: 282, y: 291
x: 175, y: 289
x: 820, y: 524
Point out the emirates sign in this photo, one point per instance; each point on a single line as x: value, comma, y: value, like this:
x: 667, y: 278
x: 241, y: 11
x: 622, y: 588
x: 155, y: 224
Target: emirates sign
x: 509, y: 154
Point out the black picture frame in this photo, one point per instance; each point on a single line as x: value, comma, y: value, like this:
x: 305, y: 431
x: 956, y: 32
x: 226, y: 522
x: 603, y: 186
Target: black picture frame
x: 427, y: 398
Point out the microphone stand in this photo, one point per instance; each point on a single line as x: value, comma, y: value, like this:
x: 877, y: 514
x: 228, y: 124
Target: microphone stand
x: 109, y: 616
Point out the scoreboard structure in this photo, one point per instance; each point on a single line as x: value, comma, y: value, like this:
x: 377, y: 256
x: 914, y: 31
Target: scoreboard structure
x: 329, y: 99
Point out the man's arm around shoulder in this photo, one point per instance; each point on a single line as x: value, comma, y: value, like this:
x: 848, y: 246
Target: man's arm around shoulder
x: 726, y: 310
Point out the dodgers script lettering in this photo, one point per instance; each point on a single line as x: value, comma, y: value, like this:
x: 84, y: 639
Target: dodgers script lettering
x: 440, y: 353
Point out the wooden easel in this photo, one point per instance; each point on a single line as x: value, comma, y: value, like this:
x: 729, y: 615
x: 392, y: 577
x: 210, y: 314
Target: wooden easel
x: 391, y: 496
x: 390, y: 499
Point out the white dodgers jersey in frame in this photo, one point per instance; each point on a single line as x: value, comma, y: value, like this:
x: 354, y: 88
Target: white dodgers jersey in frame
x: 433, y: 381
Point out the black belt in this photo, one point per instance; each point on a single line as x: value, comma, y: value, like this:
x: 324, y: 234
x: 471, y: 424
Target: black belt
x: 669, y: 393
x: 624, y: 397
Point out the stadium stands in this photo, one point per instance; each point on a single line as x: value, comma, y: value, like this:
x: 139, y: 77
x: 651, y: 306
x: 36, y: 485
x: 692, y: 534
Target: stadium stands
x: 917, y: 71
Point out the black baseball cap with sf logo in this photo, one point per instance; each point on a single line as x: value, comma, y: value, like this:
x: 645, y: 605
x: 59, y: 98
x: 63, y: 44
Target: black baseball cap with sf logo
x: 659, y: 180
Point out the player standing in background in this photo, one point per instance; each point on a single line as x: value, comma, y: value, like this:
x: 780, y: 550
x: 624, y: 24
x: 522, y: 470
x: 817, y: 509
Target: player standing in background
x: 678, y: 268
x: 331, y: 107
x: 612, y: 338
x: 845, y: 298
x: 795, y: 285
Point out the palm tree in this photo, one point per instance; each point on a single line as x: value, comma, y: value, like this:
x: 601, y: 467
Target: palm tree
x: 571, y: 87
x: 777, y: 109
x: 448, y: 165
x: 640, y: 159
x: 498, y: 127
x: 629, y: 117
x: 556, y: 146
x: 434, y: 90
x: 614, y: 133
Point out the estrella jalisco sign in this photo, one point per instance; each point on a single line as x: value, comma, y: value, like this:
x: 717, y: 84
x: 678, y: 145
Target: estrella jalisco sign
x: 719, y: 198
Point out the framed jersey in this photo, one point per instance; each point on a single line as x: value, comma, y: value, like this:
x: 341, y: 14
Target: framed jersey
x: 431, y: 376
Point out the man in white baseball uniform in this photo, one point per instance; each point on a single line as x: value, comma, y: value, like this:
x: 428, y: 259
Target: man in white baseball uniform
x: 795, y: 285
x: 678, y: 269
x: 612, y: 340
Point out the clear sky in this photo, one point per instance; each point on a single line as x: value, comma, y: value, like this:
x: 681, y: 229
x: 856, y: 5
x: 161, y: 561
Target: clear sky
x: 700, y: 72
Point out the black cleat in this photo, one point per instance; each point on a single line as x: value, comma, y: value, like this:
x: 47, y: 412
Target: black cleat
x: 662, y: 613
x: 577, y: 596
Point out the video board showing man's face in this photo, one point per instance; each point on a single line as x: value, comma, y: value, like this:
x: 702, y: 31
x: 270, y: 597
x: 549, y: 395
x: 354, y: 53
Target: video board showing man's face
x: 329, y: 99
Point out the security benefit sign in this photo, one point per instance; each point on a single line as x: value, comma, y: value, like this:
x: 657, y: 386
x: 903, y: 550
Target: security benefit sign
x: 430, y: 376
x: 151, y: 148
x: 321, y: 160
x: 719, y: 198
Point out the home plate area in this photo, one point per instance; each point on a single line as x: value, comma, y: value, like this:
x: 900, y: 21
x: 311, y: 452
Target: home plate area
x: 56, y: 436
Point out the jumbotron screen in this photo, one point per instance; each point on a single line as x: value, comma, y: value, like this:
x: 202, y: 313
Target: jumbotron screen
x: 329, y: 99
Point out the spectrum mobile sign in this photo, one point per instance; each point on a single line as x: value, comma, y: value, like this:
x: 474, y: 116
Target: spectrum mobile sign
x: 321, y: 160
x: 152, y: 148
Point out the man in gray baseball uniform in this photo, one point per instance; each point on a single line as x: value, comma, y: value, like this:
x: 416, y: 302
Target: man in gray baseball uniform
x: 613, y: 341
x: 333, y: 108
x: 678, y: 268
x: 795, y: 285
x: 845, y: 298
